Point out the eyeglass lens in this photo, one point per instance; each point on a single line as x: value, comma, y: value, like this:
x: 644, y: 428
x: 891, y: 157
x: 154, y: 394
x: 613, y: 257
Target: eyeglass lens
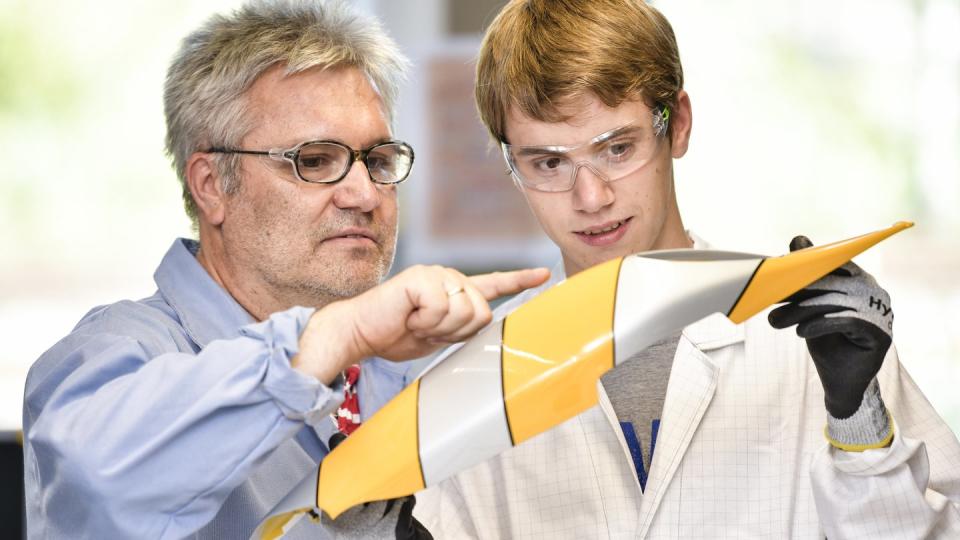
x: 325, y: 162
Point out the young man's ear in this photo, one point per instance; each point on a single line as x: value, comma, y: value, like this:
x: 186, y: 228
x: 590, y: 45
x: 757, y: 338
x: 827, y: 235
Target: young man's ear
x: 682, y: 120
x: 203, y: 179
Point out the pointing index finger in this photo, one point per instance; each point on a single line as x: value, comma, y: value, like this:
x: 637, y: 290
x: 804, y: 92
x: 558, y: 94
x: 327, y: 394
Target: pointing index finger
x: 499, y: 284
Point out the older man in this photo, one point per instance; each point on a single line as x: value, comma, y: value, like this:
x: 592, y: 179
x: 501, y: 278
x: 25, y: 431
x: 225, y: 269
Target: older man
x: 193, y: 411
x: 717, y: 431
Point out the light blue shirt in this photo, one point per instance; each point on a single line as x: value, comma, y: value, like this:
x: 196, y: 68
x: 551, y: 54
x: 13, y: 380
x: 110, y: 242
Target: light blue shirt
x: 178, y: 415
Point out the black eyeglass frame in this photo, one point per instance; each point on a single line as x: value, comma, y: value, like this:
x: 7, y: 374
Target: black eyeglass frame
x: 292, y: 155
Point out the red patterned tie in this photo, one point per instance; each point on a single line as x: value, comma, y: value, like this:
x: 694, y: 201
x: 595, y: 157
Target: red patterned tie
x: 348, y: 415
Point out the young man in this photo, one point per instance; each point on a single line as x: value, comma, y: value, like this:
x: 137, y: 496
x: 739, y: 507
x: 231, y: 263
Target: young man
x: 717, y: 431
x: 191, y: 413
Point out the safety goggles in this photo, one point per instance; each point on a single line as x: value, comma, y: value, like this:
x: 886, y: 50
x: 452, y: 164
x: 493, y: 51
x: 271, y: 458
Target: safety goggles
x: 611, y: 155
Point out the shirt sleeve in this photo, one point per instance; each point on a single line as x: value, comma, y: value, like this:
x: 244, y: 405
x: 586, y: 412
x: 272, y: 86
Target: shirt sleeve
x: 129, y: 446
x: 910, y: 489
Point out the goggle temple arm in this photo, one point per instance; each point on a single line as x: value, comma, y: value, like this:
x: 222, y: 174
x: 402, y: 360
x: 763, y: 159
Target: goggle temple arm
x: 661, y: 119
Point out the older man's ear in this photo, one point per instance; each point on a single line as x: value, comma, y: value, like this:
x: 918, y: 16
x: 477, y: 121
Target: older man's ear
x: 203, y: 178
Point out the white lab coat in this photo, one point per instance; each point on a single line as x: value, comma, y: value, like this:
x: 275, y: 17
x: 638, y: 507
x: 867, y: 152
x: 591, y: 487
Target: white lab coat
x: 740, y: 454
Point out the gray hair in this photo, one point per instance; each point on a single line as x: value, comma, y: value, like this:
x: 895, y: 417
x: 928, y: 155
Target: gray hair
x: 204, y: 94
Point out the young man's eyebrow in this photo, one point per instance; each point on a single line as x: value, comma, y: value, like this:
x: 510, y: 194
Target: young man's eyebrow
x: 540, y: 150
x: 613, y: 133
x: 559, y: 149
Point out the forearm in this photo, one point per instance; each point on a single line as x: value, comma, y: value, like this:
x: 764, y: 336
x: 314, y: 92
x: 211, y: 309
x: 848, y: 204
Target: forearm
x: 328, y: 344
x: 164, y: 442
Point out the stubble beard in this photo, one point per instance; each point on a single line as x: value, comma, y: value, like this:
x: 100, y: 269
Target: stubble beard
x: 284, y: 249
x: 344, y: 281
x: 319, y: 282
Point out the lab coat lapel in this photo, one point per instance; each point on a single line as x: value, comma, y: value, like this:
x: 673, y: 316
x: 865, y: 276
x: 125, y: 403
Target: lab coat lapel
x: 693, y: 381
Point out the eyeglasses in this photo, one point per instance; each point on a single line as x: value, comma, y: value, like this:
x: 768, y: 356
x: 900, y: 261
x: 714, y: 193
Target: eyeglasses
x: 611, y: 155
x: 328, y: 162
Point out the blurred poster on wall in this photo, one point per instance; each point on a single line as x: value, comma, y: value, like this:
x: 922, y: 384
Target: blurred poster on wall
x: 472, y: 196
x: 464, y: 209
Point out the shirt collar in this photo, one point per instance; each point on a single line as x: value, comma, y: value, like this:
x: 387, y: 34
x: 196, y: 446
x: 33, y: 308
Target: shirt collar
x: 206, y: 311
x: 698, y: 243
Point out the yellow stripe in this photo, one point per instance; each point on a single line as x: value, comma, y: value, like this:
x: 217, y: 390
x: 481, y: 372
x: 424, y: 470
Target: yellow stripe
x: 555, y: 348
x: 272, y: 528
x: 379, y: 461
x: 861, y: 447
x: 779, y: 277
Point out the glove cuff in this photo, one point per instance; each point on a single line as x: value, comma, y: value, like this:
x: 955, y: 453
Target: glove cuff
x: 869, y: 427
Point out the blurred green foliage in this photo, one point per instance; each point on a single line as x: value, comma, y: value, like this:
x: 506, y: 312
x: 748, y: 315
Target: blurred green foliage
x: 830, y: 88
x: 38, y: 79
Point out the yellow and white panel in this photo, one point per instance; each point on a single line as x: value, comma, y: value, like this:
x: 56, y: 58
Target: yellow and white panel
x: 554, y: 349
x: 462, y: 416
x: 659, y: 293
x: 540, y: 366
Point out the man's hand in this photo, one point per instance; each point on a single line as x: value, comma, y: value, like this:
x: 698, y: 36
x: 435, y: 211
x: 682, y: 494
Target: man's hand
x: 406, y: 317
x: 847, y: 321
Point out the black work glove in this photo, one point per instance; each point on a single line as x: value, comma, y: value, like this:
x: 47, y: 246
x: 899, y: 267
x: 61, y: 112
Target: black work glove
x: 847, y: 322
x: 375, y: 520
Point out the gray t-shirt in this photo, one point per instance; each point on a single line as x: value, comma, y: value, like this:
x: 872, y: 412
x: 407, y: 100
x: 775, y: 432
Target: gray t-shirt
x: 637, y: 389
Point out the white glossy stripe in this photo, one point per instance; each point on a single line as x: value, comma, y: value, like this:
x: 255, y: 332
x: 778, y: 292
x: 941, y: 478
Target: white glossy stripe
x: 461, y: 413
x: 657, y: 297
